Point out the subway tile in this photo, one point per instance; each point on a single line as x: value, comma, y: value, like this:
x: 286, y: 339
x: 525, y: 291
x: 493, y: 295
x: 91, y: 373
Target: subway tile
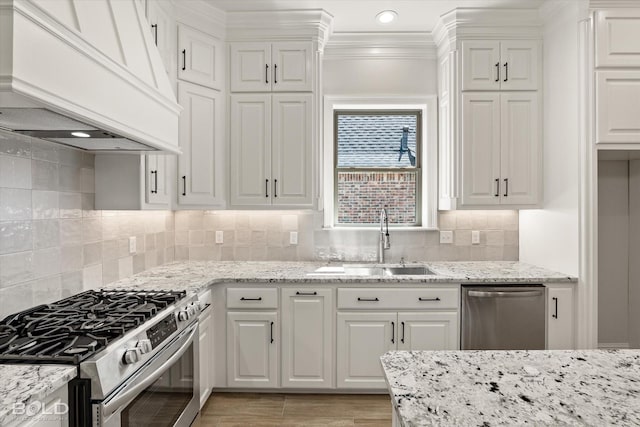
x: 47, y: 289
x: 125, y: 267
x: 69, y: 178
x: 70, y: 156
x: 14, y: 144
x: 92, y: 277
x: 46, y: 262
x: 110, y: 250
x: 201, y: 253
x: 15, y: 172
x: 88, y: 160
x: 71, y: 283
x: 16, y: 298
x: 462, y: 237
x: 495, y: 238
x: 138, y: 263
x: 70, y: 232
x: 46, y: 233
x: 181, y: 253
x: 151, y: 259
x: 150, y: 241
x: 92, y: 253
x: 16, y: 236
x: 87, y: 180
x: 70, y: 205
x: 169, y: 254
x: 44, y: 150
x: 16, y: 268
x: 44, y: 175
x: 88, y: 206
x: 15, y: 204
x: 92, y: 230
x: 110, y: 271
x: 71, y: 258
x: 45, y: 204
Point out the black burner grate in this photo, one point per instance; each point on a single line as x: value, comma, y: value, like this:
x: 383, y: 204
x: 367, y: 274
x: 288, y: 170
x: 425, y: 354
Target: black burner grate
x: 72, y: 329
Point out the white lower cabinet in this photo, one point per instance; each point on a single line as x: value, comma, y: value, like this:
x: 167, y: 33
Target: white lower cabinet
x: 560, y: 314
x: 365, y: 336
x: 252, y: 349
x: 307, y: 338
x: 206, y: 354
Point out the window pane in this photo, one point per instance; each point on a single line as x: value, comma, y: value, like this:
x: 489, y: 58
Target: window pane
x: 376, y: 140
x: 361, y: 196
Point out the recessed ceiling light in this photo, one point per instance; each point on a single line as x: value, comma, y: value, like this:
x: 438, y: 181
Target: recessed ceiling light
x: 386, y: 16
x: 80, y: 134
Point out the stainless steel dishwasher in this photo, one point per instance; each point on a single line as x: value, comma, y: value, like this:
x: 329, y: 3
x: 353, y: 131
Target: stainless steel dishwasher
x: 503, y: 317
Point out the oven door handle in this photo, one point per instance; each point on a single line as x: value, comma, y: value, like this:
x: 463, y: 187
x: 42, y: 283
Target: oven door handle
x: 115, y: 404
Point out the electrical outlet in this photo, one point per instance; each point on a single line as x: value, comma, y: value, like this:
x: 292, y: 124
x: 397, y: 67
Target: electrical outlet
x: 219, y: 236
x: 293, y: 237
x: 132, y: 244
x: 475, y: 237
x: 446, y: 237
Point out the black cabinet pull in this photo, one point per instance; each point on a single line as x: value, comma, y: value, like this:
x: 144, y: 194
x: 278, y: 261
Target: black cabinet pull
x: 402, y: 337
x: 429, y: 299
x: 266, y: 73
x: 306, y: 293
x: 498, y: 71
x: 266, y: 188
x: 184, y: 185
x: 497, y: 187
x: 154, y: 174
x: 393, y: 332
x: 155, y: 32
x: 368, y: 299
x: 184, y: 59
x: 275, y: 74
x: 555, y: 315
x: 275, y: 188
x: 506, y: 71
x: 506, y: 187
x: 272, y: 332
x: 251, y: 299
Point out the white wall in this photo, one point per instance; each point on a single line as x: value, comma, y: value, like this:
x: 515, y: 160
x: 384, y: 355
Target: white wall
x: 613, y: 252
x: 550, y: 237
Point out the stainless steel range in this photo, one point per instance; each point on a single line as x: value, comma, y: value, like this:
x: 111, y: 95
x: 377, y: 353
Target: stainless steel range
x: 136, y: 353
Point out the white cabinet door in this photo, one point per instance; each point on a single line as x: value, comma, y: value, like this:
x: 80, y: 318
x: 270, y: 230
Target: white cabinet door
x: 157, y: 179
x: 307, y: 338
x: 519, y: 62
x: 480, y: 149
x: 250, y: 173
x: 362, y: 338
x: 160, y: 15
x: 252, y: 349
x: 291, y: 155
x: 617, y: 106
x: 201, y: 164
x: 560, y: 313
x: 481, y: 68
x: 201, y: 58
x: 428, y: 331
x: 206, y: 355
x: 292, y: 67
x: 618, y: 38
x: 520, y: 149
x: 251, y: 69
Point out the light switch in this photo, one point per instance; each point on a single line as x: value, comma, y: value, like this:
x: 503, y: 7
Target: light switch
x: 446, y: 236
x: 293, y: 237
x: 132, y: 244
x: 475, y: 237
x: 219, y: 236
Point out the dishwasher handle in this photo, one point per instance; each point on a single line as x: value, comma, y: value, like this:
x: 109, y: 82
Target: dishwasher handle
x: 505, y: 294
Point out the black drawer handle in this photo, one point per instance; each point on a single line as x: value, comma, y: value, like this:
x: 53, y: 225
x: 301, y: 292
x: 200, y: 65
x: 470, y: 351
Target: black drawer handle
x: 184, y: 59
x: 306, y: 293
x: 155, y: 32
x: 402, y: 337
x: 275, y: 188
x: 506, y: 187
x: 184, y: 185
x: 251, y: 299
x: 429, y: 299
x: 497, y: 187
x: 266, y: 73
x: 272, y: 332
x: 393, y: 332
x: 154, y: 174
x: 266, y: 188
x: 555, y: 315
x: 368, y: 299
x: 498, y: 71
x: 275, y: 74
x: 506, y: 71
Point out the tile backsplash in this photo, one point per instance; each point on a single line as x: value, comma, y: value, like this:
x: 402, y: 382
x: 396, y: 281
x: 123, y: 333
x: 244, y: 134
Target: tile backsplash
x: 52, y: 241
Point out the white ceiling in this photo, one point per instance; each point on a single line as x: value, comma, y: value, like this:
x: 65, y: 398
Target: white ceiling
x: 359, y: 15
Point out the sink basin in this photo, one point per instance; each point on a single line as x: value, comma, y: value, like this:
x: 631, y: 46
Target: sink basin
x: 358, y: 270
x: 407, y: 271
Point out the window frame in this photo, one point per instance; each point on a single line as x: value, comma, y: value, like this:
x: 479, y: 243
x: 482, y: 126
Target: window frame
x: 428, y: 158
x: 417, y: 169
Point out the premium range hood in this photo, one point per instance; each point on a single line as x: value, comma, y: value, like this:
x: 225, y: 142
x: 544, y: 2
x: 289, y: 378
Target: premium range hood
x: 85, y: 74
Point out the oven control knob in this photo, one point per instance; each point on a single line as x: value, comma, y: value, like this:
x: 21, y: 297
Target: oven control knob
x: 192, y: 310
x: 131, y: 356
x: 144, y: 345
x: 183, y: 315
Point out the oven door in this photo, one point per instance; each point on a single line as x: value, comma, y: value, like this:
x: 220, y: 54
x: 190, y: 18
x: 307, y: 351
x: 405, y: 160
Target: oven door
x: 165, y: 392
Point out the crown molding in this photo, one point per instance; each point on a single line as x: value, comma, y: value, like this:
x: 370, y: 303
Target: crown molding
x: 314, y: 24
x: 486, y: 24
x: 380, y: 45
x: 203, y: 14
x: 614, y: 4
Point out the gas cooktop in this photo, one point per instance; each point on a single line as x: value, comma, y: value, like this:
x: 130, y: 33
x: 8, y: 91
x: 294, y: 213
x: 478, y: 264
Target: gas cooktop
x: 75, y: 328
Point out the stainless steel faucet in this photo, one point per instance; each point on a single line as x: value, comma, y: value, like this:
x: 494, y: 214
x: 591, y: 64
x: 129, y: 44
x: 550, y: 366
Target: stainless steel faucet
x: 384, y: 242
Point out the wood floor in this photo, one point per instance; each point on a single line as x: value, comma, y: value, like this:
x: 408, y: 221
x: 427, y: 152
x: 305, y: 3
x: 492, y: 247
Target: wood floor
x: 254, y: 409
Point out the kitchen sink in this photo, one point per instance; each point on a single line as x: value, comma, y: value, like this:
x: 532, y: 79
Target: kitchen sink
x: 380, y: 270
x: 407, y: 271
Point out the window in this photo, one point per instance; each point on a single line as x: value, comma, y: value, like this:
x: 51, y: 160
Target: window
x: 377, y: 165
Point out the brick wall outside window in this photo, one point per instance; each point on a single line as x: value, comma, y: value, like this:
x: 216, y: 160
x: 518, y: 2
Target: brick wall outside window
x: 362, y: 194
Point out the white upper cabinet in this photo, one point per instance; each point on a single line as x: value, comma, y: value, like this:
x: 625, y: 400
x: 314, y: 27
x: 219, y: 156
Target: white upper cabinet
x: 157, y: 179
x: 200, y: 58
x: 266, y: 67
x: 501, y: 158
x: 618, y: 38
x: 618, y: 106
x: 160, y: 14
x: 503, y: 65
x: 201, y: 164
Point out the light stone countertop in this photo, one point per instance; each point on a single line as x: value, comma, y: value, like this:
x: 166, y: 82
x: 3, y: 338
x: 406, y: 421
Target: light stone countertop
x: 488, y: 388
x: 195, y: 276
x: 29, y: 384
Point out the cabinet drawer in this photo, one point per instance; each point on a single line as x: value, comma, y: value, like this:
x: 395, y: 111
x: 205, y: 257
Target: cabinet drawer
x: 252, y: 298
x: 414, y: 298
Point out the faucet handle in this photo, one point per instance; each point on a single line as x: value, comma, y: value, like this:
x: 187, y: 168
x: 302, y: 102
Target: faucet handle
x: 387, y: 241
x: 402, y: 261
